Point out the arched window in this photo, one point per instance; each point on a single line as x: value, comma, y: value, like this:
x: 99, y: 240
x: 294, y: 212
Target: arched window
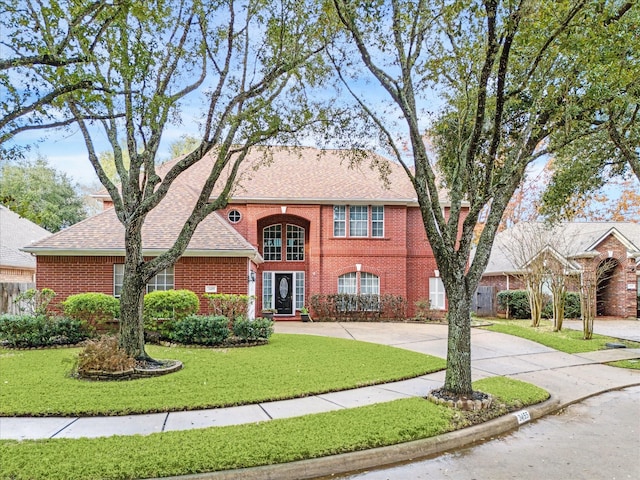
x: 295, y: 243
x: 361, y: 291
x: 272, y: 243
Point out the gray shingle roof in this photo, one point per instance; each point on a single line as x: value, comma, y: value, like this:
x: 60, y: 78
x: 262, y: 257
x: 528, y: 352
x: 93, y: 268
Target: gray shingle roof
x: 17, y: 232
x: 268, y: 174
x: 572, y: 239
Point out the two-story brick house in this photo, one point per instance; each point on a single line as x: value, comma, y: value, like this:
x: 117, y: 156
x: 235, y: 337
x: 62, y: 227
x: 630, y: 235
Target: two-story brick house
x: 299, y: 222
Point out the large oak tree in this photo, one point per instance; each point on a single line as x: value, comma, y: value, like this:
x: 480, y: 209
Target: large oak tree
x: 242, y: 67
x: 506, y: 75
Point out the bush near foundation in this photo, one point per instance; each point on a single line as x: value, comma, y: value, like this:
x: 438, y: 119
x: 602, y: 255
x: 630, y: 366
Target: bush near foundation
x: 29, y: 331
x: 358, y: 307
x: 94, y: 308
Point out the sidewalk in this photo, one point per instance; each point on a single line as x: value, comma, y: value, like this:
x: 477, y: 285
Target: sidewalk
x: 568, y: 378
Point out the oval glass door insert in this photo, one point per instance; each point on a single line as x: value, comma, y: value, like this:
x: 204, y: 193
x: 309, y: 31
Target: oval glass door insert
x: 284, y: 287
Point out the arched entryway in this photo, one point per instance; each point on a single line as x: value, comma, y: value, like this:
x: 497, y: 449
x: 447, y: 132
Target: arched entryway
x: 608, y: 271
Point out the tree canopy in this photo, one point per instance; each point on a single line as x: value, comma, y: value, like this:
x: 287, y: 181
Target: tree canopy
x: 39, y: 193
x: 509, y: 76
x: 245, y: 65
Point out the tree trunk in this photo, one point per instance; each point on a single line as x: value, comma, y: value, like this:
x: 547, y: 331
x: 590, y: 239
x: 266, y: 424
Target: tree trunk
x: 458, y: 377
x: 131, y: 338
x: 559, y: 300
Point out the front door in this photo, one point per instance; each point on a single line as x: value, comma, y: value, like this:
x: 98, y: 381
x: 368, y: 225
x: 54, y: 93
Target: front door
x: 284, y: 293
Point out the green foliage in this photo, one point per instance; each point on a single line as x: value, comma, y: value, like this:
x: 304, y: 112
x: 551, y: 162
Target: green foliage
x: 34, y: 301
x: 250, y: 330
x: 516, y: 302
x: 25, y: 331
x: 93, y: 308
x: 200, y: 330
x: 571, y: 306
x: 103, y: 354
x: 39, y: 193
x: 228, y: 305
x: 172, y: 304
x: 357, y: 307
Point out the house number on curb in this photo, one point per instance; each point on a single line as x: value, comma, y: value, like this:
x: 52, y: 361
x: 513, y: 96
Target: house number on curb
x: 522, y: 416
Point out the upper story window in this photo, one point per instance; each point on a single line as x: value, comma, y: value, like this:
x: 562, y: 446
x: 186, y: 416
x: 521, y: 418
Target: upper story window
x: 164, y: 280
x: 295, y: 243
x: 272, y: 243
x: 360, y: 221
x: 234, y: 216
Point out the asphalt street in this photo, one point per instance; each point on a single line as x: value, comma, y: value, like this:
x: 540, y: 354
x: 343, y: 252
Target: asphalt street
x: 596, y: 439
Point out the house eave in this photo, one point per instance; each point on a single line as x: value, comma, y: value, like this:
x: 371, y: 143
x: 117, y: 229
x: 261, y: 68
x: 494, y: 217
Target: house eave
x: 147, y: 252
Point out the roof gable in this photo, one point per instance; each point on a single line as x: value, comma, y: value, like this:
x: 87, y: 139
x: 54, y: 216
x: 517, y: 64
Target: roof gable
x: 628, y: 244
x: 17, y: 232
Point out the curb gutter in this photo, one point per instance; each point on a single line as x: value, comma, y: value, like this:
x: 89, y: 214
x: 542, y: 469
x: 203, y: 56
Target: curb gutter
x: 381, y: 456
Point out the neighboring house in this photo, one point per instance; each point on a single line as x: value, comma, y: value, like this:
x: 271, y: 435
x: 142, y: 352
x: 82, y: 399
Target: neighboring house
x: 303, y: 223
x: 605, y: 254
x: 16, y: 232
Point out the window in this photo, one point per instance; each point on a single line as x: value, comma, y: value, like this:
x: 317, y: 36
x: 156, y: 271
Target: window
x: 368, y: 290
x: 118, y: 279
x: 295, y: 243
x: 272, y: 243
x: 369, y: 284
x: 234, y: 216
x: 358, y: 221
x: 268, y: 281
x: 347, y: 283
x: 164, y: 280
x: 339, y: 221
x: 377, y: 221
x: 359, y: 224
x: 436, y: 293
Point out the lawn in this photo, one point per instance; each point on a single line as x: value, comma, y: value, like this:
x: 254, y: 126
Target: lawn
x: 37, y: 382
x: 223, y: 448
x: 568, y: 341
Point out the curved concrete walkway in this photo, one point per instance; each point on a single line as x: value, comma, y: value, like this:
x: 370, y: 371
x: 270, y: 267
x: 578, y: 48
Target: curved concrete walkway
x: 569, y: 379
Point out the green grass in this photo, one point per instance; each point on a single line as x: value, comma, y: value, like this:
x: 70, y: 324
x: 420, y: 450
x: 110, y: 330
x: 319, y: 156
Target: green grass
x: 37, y: 382
x: 632, y: 364
x: 568, y: 341
x: 223, y: 448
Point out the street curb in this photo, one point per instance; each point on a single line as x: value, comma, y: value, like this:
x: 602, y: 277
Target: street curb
x: 381, y: 456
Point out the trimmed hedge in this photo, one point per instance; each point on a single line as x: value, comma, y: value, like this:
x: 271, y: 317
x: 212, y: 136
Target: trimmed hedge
x: 249, y: 330
x: 355, y: 307
x: 26, y: 331
x: 93, y: 308
x: 173, y: 304
x: 517, y: 302
x: 200, y: 330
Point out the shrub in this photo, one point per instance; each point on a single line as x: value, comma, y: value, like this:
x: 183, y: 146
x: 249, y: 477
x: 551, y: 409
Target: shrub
x: 25, y: 331
x: 251, y: 330
x: 516, y: 302
x: 103, y: 354
x: 93, y: 308
x: 353, y: 307
x: 173, y: 304
x: 200, y: 330
x: 227, y: 304
x: 571, y: 307
x: 34, y: 301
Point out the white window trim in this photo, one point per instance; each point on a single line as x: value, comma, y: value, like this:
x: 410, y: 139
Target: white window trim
x: 347, y: 222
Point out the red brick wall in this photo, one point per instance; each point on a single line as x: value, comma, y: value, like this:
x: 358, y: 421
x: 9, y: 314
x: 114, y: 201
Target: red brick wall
x: 71, y: 275
x: 402, y: 259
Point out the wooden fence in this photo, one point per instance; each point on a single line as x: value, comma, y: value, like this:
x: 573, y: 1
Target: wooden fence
x: 8, y: 294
